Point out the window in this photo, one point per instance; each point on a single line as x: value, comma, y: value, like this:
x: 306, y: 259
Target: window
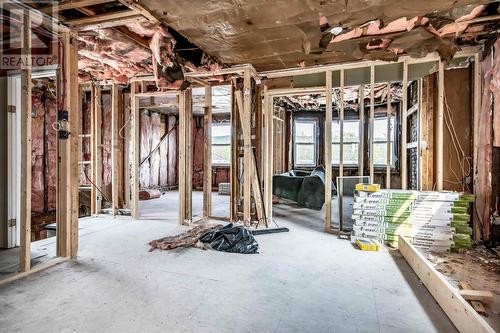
x: 380, y: 141
x: 221, y: 144
x: 305, y: 143
x: 350, y: 144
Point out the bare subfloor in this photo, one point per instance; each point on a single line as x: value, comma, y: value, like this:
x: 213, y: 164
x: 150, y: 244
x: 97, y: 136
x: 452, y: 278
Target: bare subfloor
x: 301, y: 281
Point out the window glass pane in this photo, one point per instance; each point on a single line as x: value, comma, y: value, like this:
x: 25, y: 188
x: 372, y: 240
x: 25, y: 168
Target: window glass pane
x: 221, y: 134
x: 350, y: 153
x: 380, y: 129
x: 221, y: 144
x: 304, y: 132
x: 221, y: 154
x: 380, y: 156
x: 351, y: 131
x: 304, y: 154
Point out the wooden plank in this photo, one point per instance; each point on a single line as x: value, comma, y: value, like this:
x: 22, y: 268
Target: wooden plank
x: 247, y: 146
x: 388, y: 147
x: 114, y: 148
x: 93, y: 191
x: 70, y: 4
x: 75, y: 112
x: 207, y: 151
x: 361, y: 111
x: 268, y: 151
x: 477, y: 305
x: 477, y: 295
x: 234, y: 167
x: 328, y: 151
x: 139, y: 8
x: 189, y: 156
x: 440, y: 129
x: 135, y: 137
x: 102, y: 18
x: 476, y: 222
x: 97, y: 156
x: 35, y: 269
x: 135, y: 18
x: 341, y: 125
x: 460, y: 312
x: 372, y: 122
x: 182, y: 158
x: 126, y: 152
x: 404, y: 122
x: 253, y: 165
x: 25, y: 194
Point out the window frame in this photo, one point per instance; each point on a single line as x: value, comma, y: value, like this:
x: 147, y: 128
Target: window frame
x: 358, y: 121
x: 392, y: 138
x: 219, y: 164
x: 314, y: 143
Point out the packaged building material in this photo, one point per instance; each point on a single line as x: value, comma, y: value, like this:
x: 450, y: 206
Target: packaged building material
x: 433, y: 221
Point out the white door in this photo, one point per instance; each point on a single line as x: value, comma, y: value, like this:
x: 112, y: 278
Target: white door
x: 14, y: 162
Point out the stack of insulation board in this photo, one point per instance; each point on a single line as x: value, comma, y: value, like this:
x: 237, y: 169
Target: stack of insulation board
x: 434, y: 221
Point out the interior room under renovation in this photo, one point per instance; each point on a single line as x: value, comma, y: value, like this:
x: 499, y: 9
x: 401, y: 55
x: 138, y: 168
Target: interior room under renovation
x: 250, y: 166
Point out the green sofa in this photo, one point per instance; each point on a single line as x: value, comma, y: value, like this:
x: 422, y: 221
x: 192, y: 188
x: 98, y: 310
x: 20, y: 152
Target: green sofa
x: 307, y: 189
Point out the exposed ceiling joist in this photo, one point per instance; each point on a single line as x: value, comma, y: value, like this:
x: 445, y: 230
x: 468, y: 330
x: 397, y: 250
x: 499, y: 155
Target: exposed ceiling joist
x: 140, y: 9
x: 70, y: 4
x: 101, y: 19
x: 133, y: 36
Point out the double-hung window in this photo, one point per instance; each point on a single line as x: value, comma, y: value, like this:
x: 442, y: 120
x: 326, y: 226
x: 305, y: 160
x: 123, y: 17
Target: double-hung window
x: 350, y: 144
x: 221, y: 144
x: 380, y: 141
x: 305, y: 143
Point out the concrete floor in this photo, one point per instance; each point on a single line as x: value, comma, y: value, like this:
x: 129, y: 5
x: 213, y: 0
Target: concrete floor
x: 301, y: 281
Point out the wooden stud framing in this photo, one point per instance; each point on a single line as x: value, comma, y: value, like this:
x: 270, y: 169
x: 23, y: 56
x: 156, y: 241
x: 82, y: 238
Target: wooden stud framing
x: 25, y: 215
x: 93, y: 191
x: 97, y: 154
x: 341, y: 124
x: 70, y: 4
x: 460, y: 312
x: 247, y: 143
x: 126, y: 153
x: 115, y: 93
x: 388, y: 147
x: 268, y: 152
x: 404, y: 121
x: 235, y: 166
x: 476, y: 225
x: 361, y: 107
x: 328, y: 152
x: 74, y: 111
x: 440, y: 129
x: 135, y: 137
x: 207, y: 151
x: 103, y: 18
x: 185, y: 157
x: 372, y: 122
x: 253, y: 163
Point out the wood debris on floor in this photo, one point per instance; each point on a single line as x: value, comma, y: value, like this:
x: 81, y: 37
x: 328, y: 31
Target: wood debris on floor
x: 185, y: 239
x: 477, y: 273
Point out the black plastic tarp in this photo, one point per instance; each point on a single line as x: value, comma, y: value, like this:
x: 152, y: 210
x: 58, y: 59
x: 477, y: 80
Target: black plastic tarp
x: 231, y: 238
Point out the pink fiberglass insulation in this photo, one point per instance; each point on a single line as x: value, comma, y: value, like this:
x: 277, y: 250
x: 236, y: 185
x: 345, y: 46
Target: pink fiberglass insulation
x: 85, y: 153
x: 172, y: 151
x: 37, y: 152
x: 144, y: 173
x: 154, y: 160
x: 106, y: 137
x: 51, y: 167
x: 198, y: 151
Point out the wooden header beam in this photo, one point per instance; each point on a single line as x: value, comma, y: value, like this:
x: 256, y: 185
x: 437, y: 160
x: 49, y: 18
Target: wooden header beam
x: 71, y: 4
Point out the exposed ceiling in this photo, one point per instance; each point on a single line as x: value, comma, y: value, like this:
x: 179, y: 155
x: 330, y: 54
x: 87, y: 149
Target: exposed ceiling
x: 276, y: 34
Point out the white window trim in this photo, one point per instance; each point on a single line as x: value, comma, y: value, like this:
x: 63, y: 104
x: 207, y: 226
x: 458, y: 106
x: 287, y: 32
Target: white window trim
x: 314, y: 143
x: 348, y: 164
x: 220, y: 164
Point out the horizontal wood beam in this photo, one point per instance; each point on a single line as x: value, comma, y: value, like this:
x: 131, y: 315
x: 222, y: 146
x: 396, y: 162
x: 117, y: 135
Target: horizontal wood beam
x: 140, y: 9
x: 70, y: 4
x: 103, y: 18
